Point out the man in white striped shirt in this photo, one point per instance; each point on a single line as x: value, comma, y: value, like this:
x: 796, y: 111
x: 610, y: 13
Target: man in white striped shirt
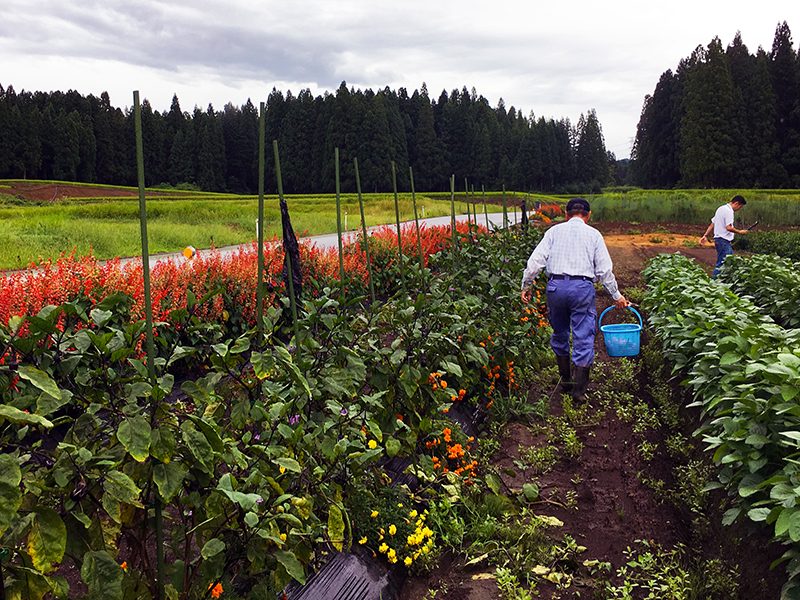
x: 574, y: 256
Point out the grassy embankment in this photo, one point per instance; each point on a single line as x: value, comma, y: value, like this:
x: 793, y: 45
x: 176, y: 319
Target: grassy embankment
x: 109, y: 226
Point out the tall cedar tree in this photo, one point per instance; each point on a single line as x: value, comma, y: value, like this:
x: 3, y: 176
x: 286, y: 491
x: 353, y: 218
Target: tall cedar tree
x: 727, y: 119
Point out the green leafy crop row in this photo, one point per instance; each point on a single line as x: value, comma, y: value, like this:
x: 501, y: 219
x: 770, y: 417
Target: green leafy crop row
x: 782, y: 243
x: 744, y: 371
x: 256, y: 453
x: 773, y: 283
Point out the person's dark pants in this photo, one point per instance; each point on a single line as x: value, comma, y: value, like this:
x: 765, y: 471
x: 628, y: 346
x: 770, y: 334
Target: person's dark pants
x: 571, y: 307
x: 724, y: 249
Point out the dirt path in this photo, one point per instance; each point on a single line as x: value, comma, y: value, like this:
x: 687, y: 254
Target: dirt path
x: 613, y: 490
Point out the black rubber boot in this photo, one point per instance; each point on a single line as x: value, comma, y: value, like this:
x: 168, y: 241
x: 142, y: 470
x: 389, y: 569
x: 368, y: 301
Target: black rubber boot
x: 581, y: 383
x: 565, y: 371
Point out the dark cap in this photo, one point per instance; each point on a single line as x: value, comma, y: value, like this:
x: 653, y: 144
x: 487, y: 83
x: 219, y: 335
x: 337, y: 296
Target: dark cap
x: 578, y: 204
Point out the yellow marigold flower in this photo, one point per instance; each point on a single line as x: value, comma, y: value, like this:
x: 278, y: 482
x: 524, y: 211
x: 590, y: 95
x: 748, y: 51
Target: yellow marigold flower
x: 372, y: 444
x: 374, y: 514
x: 363, y: 540
x: 408, y: 561
x: 283, y: 537
x: 392, y: 553
x: 393, y: 559
x: 383, y: 547
x: 392, y: 529
x: 413, y: 514
x: 282, y: 470
x: 399, y: 505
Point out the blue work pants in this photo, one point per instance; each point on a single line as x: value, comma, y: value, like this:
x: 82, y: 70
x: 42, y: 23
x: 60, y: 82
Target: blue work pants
x: 571, y: 307
x: 724, y: 249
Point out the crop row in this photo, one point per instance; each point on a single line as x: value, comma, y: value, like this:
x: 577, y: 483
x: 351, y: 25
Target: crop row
x: 256, y: 453
x: 782, y: 243
x: 773, y: 283
x: 744, y: 371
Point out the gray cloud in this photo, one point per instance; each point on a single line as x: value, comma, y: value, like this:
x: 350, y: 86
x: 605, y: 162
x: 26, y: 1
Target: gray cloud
x: 556, y: 59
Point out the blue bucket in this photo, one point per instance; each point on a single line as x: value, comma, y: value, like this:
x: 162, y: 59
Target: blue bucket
x: 621, y: 339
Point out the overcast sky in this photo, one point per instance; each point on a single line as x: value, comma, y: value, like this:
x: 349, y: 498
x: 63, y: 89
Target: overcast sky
x: 557, y: 59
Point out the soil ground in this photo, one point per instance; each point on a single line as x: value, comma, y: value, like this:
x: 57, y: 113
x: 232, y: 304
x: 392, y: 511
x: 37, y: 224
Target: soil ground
x: 52, y: 192
x: 614, y: 508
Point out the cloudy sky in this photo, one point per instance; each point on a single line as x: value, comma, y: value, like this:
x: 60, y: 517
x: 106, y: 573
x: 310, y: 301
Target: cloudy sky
x: 556, y: 58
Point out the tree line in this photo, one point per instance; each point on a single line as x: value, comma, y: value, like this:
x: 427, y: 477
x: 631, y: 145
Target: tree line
x: 724, y: 118
x: 68, y: 136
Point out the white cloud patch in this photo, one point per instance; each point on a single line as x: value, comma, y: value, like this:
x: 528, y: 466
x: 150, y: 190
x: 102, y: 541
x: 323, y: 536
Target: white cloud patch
x: 555, y: 59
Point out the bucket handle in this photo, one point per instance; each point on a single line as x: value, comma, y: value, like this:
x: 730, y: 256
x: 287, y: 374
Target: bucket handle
x: 636, y: 312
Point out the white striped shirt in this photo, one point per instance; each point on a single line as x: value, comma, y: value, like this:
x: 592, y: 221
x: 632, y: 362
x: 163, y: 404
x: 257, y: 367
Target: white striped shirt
x: 572, y: 248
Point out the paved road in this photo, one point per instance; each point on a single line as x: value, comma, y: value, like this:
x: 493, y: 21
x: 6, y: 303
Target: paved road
x: 330, y: 240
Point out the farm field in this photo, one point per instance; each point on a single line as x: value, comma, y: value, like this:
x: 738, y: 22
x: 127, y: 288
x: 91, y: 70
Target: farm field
x: 41, y: 220
x: 447, y: 388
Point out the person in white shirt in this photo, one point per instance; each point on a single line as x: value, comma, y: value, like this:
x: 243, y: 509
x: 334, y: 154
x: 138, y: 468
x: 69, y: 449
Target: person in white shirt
x: 574, y: 256
x: 722, y: 226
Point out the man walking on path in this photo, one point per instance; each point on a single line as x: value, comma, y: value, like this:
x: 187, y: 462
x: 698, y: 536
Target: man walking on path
x: 574, y: 255
x: 722, y: 226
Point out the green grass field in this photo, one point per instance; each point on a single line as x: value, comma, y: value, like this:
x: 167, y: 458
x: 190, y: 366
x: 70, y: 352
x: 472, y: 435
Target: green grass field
x: 109, y: 227
x: 768, y: 207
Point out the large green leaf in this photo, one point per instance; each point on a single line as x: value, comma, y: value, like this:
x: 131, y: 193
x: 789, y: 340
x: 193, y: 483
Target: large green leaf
x: 212, y: 547
x: 134, y: 435
x: 39, y: 379
x: 169, y: 479
x: 289, y: 464
x: 15, y: 415
x: 293, y: 566
x: 246, y: 501
x: 102, y: 575
x: 198, y: 445
x: 47, y: 540
x: 122, y: 488
x: 10, y: 495
x: 392, y: 447
x: 46, y: 404
x: 162, y: 444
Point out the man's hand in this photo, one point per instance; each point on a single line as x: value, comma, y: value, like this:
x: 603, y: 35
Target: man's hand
x: 742, y: 231
x: 622, y: 302
x: 526, y: 296
x: 703, y: 241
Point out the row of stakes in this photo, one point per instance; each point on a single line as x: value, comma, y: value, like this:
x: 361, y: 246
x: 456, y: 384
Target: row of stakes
x: 190, y: 252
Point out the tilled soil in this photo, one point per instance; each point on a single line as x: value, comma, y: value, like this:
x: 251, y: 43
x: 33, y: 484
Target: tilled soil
x: 614, y: 508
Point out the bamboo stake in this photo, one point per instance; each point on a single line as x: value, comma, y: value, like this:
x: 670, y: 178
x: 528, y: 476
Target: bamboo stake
x: 485, y: 210
x: 453, y: 210
x: 364, y: 229
x: 148, y: 311
x: 292, y: 299
x: 260, y: 232
x: 505, y: 210
x: 466, y: 200
x: 339, y: 220
x: 397, y: 219
x: 416, y: 218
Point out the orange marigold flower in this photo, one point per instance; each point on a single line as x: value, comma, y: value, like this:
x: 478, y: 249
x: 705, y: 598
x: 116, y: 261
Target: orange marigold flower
x: 444, y: 384
x: 124, y: 565
x: 446, y: 432
x: 216, y: 589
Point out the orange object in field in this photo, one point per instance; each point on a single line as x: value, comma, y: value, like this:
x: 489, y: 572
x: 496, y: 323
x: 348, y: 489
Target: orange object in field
x: 189, y: 252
